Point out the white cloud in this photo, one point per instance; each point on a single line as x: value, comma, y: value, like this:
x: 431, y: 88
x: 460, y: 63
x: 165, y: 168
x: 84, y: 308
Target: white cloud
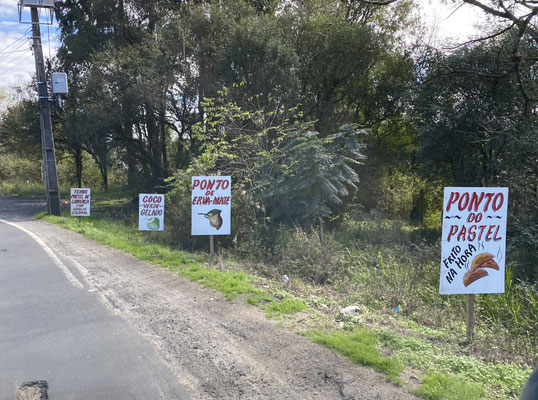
x: 8, y: 23
x: 8, y: 9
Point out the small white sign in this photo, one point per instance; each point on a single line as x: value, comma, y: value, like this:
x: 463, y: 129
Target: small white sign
x: 80, y: 202
x: 59, y: 83
x: 211, y: 205
x: 473, y: 250
x: 150, y: 212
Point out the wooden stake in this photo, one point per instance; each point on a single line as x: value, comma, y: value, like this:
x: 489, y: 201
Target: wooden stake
x: 470, y: 318
x: 321, y: 230
x: 211, y: 249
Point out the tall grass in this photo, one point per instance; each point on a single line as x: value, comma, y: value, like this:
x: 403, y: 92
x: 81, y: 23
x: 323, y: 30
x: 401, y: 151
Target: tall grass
x: 451, y: 374
x: 382, y: 275
x: 367, y: 265
x: 23, y: 189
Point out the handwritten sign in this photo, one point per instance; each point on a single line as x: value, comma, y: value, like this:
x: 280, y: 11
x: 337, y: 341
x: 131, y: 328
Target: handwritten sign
x: 211, y: 205
x: 80, y: 202
x: 150, y: 212
x: 473, y: 250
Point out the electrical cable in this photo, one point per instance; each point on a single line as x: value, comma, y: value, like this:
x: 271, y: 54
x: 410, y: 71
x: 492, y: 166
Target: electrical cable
x: 48, y: 39
x: 9, y: 69
x: 6, y: 52
x: 24, y: 35
x: 14, y: 51
x: 12, y: 60
x: 6, y: 55
x: 13, y: 43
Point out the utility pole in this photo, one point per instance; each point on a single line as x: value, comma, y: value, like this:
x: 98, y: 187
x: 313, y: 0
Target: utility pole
x: 47, y: 140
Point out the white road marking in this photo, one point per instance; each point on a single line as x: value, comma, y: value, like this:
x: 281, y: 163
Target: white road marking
x: 70, y: 277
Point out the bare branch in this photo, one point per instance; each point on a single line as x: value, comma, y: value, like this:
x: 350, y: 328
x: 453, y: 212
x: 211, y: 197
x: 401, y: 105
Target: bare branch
x: 522, y: 22
x: 492, y: 11
x: 481, y: 39
x: 378, y: 3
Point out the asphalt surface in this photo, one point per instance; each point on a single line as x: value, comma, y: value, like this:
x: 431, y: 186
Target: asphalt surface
x: 54, y: 328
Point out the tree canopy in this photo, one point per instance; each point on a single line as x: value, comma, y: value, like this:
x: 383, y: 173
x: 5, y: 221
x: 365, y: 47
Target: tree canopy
x: 297, y: 100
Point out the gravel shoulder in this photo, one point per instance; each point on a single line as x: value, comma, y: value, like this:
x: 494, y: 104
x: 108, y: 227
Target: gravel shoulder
x: 218, y: 349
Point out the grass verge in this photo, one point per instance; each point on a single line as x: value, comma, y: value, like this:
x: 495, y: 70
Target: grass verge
x: 439, y: 387
x: 130, y: 240
x: 447, y: 368
x: 361, y: 347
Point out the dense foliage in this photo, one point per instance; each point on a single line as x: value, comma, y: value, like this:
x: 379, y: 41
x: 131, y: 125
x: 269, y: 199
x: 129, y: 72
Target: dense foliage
x: 325, y: 112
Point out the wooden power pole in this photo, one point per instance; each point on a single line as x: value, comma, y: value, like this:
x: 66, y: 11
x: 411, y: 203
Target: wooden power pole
x: 47, y: 140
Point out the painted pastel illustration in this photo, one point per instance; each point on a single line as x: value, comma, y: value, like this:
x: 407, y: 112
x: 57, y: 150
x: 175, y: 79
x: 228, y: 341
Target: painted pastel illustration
x: 477, y: 271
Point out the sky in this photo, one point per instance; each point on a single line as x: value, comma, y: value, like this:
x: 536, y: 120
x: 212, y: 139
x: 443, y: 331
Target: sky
x: 17, y: 62
x: 450, y: 22
x: 16, y: 59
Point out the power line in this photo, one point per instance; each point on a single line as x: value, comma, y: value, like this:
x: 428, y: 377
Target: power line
x: 24, y: 36
x: 3, y: 72
x: 13, y: 47
x: 13, y: 43
x: 6, y: 55
x: 24, y: 58
x: 14, y: 51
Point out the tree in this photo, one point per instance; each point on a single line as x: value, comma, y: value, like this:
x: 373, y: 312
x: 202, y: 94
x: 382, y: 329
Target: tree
x: 294, y: 173
x: 478, y: 129
x: 132, y: 62
x: 20, y: 133
x: 311, y: 176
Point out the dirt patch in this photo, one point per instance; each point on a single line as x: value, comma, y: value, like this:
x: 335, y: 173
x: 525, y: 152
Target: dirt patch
x: 218, y: 349
x: 33, y: 391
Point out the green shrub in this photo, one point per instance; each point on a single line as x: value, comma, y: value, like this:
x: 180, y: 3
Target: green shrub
x: 448, y: 387
x: 361, y: 347
x: 19, y: 170
x: 304, y: 255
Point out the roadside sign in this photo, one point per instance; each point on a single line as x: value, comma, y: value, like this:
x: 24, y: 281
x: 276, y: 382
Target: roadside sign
x: 150, y: 212
x: 211, y: 205
x: 473, y: 250
x: 80, y: 202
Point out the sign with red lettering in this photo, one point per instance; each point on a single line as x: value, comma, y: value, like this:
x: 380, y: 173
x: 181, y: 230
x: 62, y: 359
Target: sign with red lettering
x: 150, y: 212
x: 473, y: 250
x: 211, y: 205
x: 80, y: 202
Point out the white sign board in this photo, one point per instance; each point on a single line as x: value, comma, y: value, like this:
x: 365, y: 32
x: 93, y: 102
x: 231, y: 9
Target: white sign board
x: 473, y: 250
x: 150, y: 212
x: 211, y: 208
x: 80, y: 202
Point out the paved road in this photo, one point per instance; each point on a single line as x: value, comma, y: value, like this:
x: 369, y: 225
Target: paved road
x: 95, y: 323
x: 54, y: 328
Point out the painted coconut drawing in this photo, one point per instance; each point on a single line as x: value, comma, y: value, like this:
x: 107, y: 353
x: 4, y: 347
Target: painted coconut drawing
x: 153, y: 224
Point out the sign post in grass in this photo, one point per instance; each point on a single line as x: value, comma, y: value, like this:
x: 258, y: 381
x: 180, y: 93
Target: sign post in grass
x: 80, y: 202
x: 473, y: 252
x: 150, y: 212
x: 211, y: 207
